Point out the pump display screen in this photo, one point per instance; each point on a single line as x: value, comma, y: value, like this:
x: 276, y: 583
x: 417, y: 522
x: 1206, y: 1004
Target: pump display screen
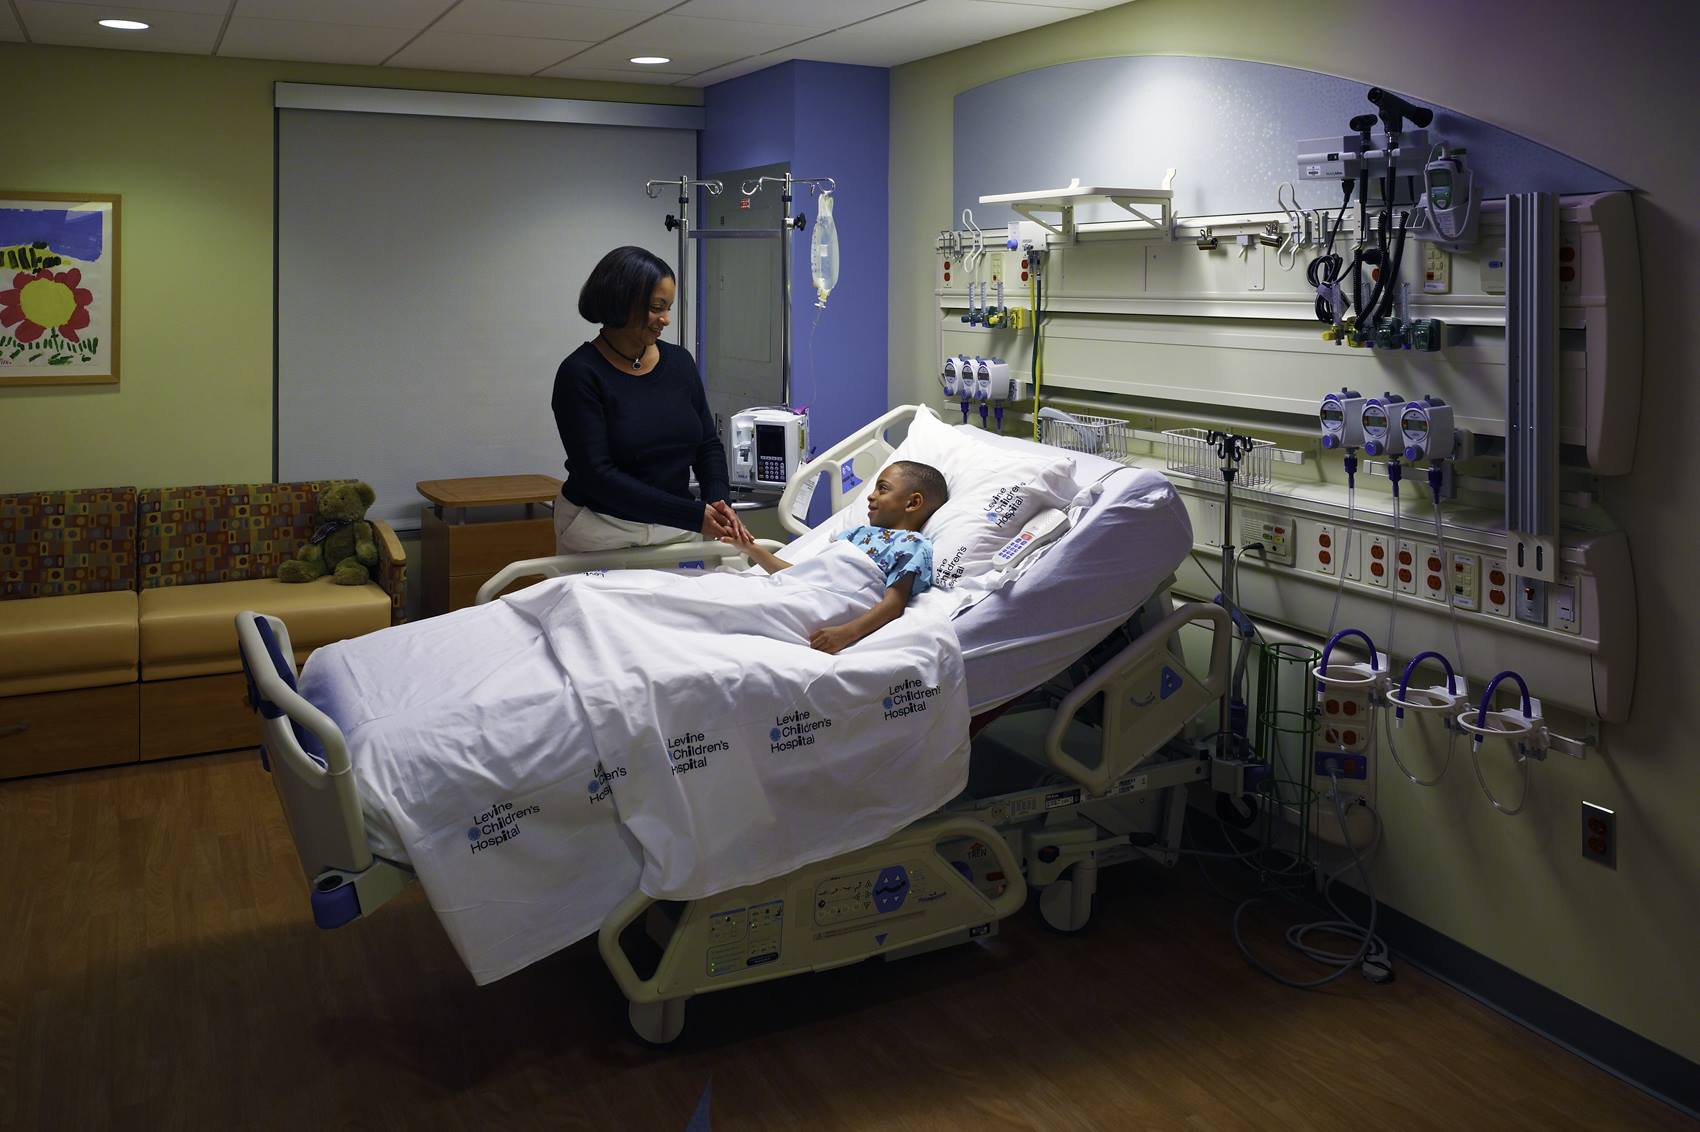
x: 1375, y: 417
x: 1331, y: 414
x: 770, y: 453
x: 1417, y: 425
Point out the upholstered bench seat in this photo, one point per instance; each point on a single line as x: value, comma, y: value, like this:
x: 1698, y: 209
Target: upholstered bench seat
x: 191, y: 630
x: 54, y: 644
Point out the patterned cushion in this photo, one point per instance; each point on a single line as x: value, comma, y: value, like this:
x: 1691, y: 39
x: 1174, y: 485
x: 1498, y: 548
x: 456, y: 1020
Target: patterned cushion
x: 55, y: 543
x: 222, y: 532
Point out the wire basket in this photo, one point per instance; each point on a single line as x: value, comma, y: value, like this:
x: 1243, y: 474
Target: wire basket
x: 1191, y: 452
x: 1099, y: 436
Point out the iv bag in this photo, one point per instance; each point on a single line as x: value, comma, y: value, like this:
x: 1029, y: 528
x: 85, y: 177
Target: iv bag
x: 823, y: 252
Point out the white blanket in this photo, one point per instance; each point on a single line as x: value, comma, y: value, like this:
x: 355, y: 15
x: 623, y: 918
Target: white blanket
x: 604, y: 732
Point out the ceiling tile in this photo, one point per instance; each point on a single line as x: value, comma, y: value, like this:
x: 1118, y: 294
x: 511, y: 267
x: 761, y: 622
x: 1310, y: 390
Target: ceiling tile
x: 798, y: 13
x: 524, y: 18
x: 495, y: 54
x: 642, y: 7
x: 413, y: 14
x: 248, y: 38
x: 205, y: 7
x: 928, y: 28
x: 649, y: 76
x: 10, y: 30
x: 691, y: 44
x: 730, y: 71
x: 73, y: 25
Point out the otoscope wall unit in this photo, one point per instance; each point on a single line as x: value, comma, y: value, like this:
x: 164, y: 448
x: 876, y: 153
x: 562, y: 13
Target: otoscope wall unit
x: 1171, y: 321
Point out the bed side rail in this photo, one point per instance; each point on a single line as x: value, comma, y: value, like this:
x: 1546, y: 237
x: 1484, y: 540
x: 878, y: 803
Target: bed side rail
x: 1149, y: 694
x: 308, y: 759
x: 863, y: 451
x: 664, y: 557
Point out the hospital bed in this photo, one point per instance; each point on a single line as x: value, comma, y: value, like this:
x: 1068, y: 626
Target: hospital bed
x: 1110, y: 784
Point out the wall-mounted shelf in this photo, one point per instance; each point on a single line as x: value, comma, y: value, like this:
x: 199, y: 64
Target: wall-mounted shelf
x: 1139, y: 203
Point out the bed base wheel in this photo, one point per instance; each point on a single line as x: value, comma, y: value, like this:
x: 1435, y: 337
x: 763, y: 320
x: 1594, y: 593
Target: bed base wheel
x: 657, y: 1023
x: 1067, y: 903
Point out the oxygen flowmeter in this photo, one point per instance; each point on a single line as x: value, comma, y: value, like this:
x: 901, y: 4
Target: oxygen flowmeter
x: 1342, y: 416
x: 1426, y: 429
x: 1379, y: 419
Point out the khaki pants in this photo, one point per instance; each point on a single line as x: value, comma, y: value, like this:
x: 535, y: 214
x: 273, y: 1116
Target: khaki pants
x: 579, y: 530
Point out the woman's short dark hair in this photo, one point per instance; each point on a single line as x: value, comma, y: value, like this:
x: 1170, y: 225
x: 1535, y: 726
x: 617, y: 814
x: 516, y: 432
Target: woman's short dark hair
x: 619, y: 284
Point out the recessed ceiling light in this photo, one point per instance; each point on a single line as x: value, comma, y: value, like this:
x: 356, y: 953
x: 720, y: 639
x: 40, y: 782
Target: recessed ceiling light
x: 123, y: 25
x: 650, y: 60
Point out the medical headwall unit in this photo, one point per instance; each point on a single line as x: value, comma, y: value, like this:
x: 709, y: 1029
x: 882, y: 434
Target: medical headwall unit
x: 1446, y: 312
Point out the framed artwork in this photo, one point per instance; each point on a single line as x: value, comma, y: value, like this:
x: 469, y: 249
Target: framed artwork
x: 58, y: 288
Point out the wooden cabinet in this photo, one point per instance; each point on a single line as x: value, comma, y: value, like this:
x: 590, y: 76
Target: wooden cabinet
x: 473, y: 527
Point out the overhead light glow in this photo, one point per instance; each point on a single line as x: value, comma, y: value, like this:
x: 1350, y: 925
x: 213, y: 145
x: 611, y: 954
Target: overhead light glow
x: 650, y: 60
x: 123, y: 25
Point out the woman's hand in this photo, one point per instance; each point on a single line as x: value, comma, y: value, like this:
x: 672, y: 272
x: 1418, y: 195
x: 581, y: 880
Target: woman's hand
x: 715, y: 525
x: 740, y: 533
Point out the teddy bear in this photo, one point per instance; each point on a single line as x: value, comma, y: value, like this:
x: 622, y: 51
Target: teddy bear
x: 342, y: 544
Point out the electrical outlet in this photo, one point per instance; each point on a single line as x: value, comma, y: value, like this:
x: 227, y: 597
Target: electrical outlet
x: 1433, y: 574
x: 1405, y: 567
x: 1599, y: 834
x: 1327, y: 549
x: 1377, y: 561
x: 1496, y: 598
x: 1564, y: 616
x: 1530, y: 596
x: 1465, y: 579
x: 1437, y: 271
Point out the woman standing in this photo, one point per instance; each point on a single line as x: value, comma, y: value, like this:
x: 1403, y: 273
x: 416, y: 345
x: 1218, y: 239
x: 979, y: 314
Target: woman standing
x: 635, y: 422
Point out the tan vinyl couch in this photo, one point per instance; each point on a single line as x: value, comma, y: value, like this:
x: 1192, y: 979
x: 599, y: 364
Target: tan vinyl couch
x: 117, y: 616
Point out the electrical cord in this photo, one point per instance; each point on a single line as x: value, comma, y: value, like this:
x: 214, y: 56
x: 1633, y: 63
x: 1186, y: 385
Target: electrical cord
x: 1345, y: 557
x: 1372, y: 953
x: 1324, y: 270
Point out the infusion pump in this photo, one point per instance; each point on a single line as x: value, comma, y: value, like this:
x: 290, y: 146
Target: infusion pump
x: 766, y: 446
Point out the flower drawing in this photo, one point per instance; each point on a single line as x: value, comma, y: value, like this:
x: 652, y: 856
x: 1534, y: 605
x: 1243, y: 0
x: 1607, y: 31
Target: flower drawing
x: 46, y: 301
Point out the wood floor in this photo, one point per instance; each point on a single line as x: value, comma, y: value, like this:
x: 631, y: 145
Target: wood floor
x: 159, y: 970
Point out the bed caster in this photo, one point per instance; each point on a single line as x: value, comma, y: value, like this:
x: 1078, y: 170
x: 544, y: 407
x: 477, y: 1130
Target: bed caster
x: 1067, y: 903
x: 657, y: 1023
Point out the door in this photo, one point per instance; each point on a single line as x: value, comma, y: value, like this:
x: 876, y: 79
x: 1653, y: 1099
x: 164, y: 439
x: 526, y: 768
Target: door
x: 741, y: 301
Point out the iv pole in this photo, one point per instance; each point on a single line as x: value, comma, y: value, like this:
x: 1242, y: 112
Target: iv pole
x: 682, y: 223
x: 786, y: 227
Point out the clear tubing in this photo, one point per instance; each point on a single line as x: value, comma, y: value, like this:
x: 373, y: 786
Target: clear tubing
x: 1451, y: 606
x: 1393, y: 583
x: 1451, y: 744
x: 1345, y: 557
x: 1522, y: 800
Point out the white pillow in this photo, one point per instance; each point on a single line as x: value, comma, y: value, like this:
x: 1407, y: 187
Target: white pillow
x: 992, y: 493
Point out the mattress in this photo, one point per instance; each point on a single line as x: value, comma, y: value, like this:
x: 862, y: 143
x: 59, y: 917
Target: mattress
x: 1129, y: 532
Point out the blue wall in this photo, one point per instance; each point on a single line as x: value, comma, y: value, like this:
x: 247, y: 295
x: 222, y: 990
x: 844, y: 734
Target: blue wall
x: 831, y: 120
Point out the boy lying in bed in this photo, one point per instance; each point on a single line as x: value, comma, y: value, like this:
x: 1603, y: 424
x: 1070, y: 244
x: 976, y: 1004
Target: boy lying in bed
x: 904, y: 497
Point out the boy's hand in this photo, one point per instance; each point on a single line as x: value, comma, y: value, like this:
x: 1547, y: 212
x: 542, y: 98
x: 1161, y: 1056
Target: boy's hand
x: 832, y: 638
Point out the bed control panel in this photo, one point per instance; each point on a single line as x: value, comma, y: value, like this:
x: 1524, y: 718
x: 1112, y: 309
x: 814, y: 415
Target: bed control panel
x: 929, y: 885
x: 857, y: 896
x: 745, y: 937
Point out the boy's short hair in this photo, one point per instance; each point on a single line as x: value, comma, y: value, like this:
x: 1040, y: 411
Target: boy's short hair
x: 926, y: 479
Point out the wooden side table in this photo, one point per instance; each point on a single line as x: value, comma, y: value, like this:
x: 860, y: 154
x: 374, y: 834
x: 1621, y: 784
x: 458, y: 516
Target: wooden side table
x: 475, y: 526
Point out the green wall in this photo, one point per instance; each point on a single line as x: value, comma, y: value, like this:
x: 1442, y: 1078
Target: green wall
x: 187, y: 142
x: 1606, y: 92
